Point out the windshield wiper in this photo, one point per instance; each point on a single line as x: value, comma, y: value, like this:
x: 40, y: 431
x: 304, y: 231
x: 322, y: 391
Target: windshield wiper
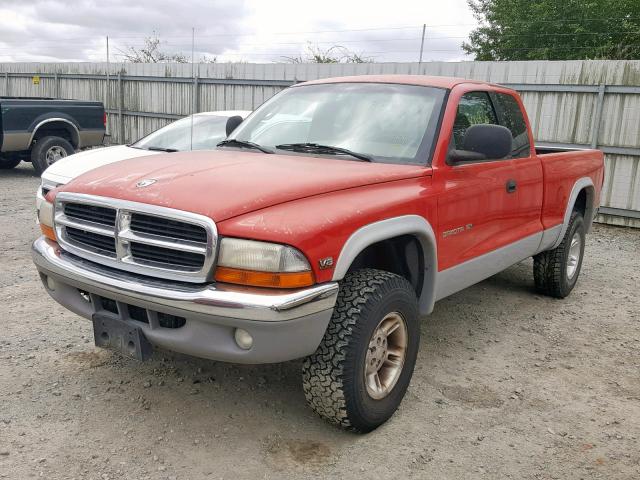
x: 328, y: 149
x: 232, y: 142
x: 162, y: 149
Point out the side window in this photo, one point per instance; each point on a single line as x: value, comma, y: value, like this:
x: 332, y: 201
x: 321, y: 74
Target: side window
x: 512, y: 118
x: 474, y: 108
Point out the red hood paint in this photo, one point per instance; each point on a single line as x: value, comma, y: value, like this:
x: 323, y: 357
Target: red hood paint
x: 222, y: 184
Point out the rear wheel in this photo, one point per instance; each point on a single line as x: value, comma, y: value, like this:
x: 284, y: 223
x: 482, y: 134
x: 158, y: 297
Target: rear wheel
x: 556, y: 271
x: 360, y: 372
x: 48, y: 150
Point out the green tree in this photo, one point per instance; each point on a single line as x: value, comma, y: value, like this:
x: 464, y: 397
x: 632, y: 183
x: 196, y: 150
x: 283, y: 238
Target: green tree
x: 555, y: 29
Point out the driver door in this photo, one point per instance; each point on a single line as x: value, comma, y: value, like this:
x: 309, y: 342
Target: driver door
x: 477, y: 213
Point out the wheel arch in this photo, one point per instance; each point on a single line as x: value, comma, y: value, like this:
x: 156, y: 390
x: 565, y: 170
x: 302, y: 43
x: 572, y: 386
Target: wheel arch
x: 56, y: 124
x: 406, y: 226
x: 583, y: 195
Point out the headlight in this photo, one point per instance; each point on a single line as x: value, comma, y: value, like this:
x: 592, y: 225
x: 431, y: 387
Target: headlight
x: 45, y: 217
x: 262, y: 264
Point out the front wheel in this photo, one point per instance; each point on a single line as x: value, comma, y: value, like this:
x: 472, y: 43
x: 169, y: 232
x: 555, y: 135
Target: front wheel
x: 9, y: 163
x: 360, y: 372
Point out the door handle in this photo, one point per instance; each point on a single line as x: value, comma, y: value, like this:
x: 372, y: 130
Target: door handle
x: 511, y: 186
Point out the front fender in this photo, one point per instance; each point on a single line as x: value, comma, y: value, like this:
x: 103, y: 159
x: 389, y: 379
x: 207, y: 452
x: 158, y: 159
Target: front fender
x: 392, y: 227
x: 331, y: 229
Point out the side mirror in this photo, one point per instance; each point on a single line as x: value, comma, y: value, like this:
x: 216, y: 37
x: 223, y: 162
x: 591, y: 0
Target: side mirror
x: 232, y: 123
x: 483, y: 142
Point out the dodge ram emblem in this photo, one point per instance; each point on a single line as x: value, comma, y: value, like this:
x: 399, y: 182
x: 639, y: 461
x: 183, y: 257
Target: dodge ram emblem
x: 146, y: 182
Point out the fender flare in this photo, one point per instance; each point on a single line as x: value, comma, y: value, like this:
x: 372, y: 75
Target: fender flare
x: 42, y: 123
x: 389, y: 228
x: 584, y: 183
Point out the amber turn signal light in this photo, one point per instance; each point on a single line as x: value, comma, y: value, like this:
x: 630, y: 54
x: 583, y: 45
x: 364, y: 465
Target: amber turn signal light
x: 264, y: 279
x: 48, y: 232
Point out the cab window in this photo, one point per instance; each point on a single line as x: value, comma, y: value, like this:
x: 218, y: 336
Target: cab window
x: 512, y: 118
x: 474, y: 108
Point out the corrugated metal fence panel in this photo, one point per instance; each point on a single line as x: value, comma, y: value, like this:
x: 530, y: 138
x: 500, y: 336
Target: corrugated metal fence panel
x: 621, y: 189
x: 620, y: 124
x: 560, y: 117
x: 140, y: 126
x: 24, y: 87
x: 618, y: 192
x: 164, y: 97
x: 234, y: 97
x: 576, y: 72
x: 82, y: 89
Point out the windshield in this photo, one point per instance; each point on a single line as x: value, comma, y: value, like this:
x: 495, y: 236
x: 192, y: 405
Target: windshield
x: 208, y: 131
x: 390, y: 123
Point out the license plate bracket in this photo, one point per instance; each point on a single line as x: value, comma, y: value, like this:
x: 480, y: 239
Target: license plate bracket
x: 123, y: 337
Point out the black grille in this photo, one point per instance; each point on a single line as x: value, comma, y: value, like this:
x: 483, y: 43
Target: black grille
x: 165, y: 320
x: 138, y: 313
x: 106, y: 244
x: 170, y: 321
x: 91, y: 213
x: 167, y: 256
x: 109, y: 305
x: 167, y: 228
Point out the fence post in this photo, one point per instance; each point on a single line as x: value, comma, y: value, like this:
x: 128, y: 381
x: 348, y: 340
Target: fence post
x: 120, y: 108
x: 595, y: 128
x: 56, y: 85
x: 6, y: 84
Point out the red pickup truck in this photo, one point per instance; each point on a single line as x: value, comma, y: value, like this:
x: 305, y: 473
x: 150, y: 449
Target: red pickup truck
x: 323, y: 228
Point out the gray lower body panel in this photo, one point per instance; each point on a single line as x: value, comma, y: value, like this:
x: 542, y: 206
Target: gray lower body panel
x: 469, y: 273
x: 15, y: 141
x: 91, y: 138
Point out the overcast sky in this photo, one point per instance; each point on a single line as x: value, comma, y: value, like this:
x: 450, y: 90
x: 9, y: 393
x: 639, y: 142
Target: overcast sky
x: 240, y: 30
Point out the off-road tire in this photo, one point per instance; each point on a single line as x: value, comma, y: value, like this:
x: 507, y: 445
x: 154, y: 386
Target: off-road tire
x: 9, y: 163
x: 550, y: 267
x: 39, y: 151
x: 333, y: 377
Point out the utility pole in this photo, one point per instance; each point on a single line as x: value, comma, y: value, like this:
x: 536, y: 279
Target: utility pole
x: 193, y: 85
x: 424, y: 28
x: 106, y: 90
x: 193, y: 47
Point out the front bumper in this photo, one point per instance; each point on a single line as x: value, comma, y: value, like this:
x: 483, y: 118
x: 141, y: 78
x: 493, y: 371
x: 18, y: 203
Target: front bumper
x: 284, y: 324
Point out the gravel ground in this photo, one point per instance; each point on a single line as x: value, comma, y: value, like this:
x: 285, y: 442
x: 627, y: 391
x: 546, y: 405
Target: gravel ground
x: 508, y: 384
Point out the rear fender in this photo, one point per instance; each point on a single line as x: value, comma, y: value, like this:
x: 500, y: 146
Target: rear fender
x: 584, y: 183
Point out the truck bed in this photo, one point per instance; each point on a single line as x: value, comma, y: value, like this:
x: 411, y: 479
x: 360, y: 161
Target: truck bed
x: 561, y: 167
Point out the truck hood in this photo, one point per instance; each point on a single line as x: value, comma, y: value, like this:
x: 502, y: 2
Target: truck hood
x: 222, y: 184
x: 74, y: 165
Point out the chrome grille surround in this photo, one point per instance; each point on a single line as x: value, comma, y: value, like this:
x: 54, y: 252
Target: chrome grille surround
x: 124, y: 236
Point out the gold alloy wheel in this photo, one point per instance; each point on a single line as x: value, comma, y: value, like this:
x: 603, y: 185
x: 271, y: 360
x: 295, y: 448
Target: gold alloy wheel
x: 385, y: 355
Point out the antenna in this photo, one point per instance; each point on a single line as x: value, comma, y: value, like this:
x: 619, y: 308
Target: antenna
x: 193, y: 85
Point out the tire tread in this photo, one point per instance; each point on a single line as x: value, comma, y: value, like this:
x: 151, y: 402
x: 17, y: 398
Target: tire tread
x: 326, y: 371
x: 548, y: 266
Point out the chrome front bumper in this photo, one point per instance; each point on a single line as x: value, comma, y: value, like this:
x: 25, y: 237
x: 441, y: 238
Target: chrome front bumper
x: 285, y: 324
